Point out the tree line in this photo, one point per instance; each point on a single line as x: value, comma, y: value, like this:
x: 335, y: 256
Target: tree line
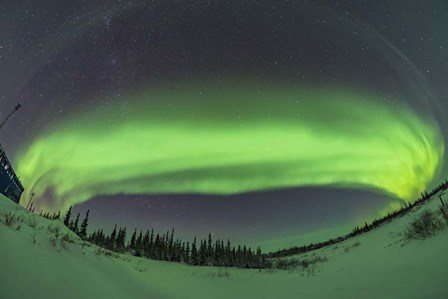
x: 207, y: 252
x: 156, y: 246
x: 367, y: 226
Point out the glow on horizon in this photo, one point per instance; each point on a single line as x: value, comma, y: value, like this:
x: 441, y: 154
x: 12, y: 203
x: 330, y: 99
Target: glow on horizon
x: 231, y: 140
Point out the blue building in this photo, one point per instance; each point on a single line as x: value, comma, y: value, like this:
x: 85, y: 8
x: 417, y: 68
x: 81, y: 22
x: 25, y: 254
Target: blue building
x: 10, y: 185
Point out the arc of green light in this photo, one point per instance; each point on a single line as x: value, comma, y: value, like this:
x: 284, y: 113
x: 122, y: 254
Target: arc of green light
x: 233, y: 139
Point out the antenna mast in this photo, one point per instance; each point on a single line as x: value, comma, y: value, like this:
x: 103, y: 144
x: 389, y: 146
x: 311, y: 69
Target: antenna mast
x: 18, y: 106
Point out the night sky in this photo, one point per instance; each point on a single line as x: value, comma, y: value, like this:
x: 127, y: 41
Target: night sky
x: 268, y: 122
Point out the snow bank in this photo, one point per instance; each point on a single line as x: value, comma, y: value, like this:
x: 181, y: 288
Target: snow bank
x: 41, y: 258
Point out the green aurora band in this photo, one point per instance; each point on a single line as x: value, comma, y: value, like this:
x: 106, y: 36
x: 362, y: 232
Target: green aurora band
x: 227, y: 140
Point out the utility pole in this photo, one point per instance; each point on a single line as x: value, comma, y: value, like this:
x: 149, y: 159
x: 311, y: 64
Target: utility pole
x: 18, y: 106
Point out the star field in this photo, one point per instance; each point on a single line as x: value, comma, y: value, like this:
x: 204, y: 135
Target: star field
x: 226, y: 117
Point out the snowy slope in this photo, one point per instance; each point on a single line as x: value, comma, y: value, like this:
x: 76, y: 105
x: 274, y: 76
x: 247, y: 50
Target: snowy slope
x: 40, y: 258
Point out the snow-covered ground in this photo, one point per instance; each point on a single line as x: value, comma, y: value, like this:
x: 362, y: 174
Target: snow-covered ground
x: 40, y: 258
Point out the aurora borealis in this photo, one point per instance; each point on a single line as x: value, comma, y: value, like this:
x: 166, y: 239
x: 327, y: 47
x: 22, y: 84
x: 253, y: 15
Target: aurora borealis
x: 263, y: 121
x: 243, y: 140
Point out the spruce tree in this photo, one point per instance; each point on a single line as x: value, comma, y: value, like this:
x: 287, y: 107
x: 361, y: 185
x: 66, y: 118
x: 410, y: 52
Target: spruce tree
x: 151, y: 244
x: 75, y: 224
x: 203, y: 253
x: 92, y: 237
x: 121, y: 237
x: 145, y: 243
x: 194, y: 253
x: 259, y: 258
x: 156, y: 252
x: 111, y: 240
x: 138, y: 241
x: 133, y: 237
x: 170, y: 250
x: 209, y: 252
x: 102, y: 237
x: 67, y: 217
x: 186, y: 256
x: 84, y: 224
x: 165, y: 250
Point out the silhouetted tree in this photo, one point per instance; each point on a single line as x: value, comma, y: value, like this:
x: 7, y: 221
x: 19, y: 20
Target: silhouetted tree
x: 75, y: 224
x: 145, y: 243
x: 194, y: 253
x: 112, y: 238
x: 67, y: 217
x: 138, y: 241
x: 84, y: 224
x: 120, y: 240
x: 133, y: 237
